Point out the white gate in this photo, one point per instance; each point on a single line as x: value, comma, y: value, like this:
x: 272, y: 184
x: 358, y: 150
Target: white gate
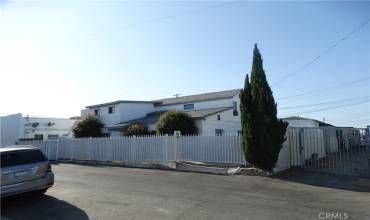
x: 329, y: 149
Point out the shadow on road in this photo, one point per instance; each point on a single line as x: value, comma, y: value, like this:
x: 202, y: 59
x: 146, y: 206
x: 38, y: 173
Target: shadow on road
x: 350, y: 183
x: 39, y: 207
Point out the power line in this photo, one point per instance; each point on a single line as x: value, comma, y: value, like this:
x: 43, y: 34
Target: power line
x: 184, y: 13
x: 341, y: 85
x: 323, y: 53
x: 329, y: 108
x: 354, y: 120
x: 356, y: 116
x: 325, y: 103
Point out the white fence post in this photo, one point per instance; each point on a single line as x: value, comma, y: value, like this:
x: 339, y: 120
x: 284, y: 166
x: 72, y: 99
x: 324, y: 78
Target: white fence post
x: 166, y: 148
x: 46, y: 143
x: 89, y: 149
x: 57, y: 150
x: 72, y: 149
x: 301, y: 147
x: 133, y: 148
x: 177, y: 135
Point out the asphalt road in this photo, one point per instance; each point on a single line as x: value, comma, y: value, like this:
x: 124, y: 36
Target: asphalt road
x: 97, y: 192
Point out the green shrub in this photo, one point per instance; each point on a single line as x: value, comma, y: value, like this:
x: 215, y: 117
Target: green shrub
x: 89, y: 126
x: 136, y: 129
x: 176, y: 121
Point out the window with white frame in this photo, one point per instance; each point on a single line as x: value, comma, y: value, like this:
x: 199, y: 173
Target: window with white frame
x: 188, y: 106
x: 235, y: 108
x: 111, y: 109
x: 97, y: 112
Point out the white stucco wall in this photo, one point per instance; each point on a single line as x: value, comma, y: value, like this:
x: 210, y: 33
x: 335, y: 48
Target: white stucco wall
x: 126, y: 111
x: 130, y: 111
x: 283, y: 162
x: 105, y: 117
x: 219, y: 103
x: 152, y: 127
x: 47, y: 126
x: 110, y: 119
x: 229, y: 123
x: 123, y: 112
x: 115, y: 133
x: 11, y: 129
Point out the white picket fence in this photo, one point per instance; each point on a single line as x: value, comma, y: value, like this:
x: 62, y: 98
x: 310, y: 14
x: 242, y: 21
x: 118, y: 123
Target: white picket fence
x: 209, y: 149
x: 333, y: 150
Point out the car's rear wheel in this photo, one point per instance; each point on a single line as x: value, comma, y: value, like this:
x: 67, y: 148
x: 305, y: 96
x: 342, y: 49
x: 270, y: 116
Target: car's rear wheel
x: 40, y: 192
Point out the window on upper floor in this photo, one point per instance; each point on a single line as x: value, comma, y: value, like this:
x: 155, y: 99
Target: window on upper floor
x: 188, y: 106
x: 235, y: 108
x: 111, y: 110
x: 218, y: 117
x: 97, y: 112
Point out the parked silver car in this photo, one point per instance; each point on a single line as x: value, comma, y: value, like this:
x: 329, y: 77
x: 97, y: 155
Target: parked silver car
x: 24, y: 169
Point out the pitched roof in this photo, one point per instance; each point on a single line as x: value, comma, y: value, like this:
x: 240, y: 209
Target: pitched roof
x: 202, y: 113
x: 153, y: 117
x: 296, y: 118
x: 302, y: 118
x: 197, y: 98
x: 178, y: 100
x: 117, y: 102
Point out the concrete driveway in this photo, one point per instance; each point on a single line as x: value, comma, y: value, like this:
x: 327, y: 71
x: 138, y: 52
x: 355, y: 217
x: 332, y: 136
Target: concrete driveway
x: 98, y: 192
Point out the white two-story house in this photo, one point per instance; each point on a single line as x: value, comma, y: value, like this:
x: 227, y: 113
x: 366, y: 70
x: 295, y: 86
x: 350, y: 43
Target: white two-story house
x: 215, y: 113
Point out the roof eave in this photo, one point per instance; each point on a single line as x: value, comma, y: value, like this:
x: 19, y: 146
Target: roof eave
x: 118, y: 102
x: 157, y: 104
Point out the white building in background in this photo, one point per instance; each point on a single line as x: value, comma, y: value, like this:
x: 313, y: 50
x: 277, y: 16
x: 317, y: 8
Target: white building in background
x: 215, y: 113
x: 16, y: 127
x: 296, y: 121
x: 47, y: 128
x: 10, y: 129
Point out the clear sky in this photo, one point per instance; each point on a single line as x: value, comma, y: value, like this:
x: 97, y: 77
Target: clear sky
x: 58, y: 56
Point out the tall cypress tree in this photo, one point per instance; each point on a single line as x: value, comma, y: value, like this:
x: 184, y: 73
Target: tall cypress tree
x: 246, y: 116
x: 263, y: 133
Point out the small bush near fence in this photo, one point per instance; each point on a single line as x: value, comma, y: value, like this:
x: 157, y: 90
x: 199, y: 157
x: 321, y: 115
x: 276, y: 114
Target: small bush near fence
x: 172, y: 121
x: 136, y: 129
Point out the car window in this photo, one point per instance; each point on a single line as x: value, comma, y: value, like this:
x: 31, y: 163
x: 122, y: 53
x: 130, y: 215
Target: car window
x: 21, y: 157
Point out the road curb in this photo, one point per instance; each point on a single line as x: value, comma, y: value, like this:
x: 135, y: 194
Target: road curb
x: 174, y: 166
x: 207, y: 169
